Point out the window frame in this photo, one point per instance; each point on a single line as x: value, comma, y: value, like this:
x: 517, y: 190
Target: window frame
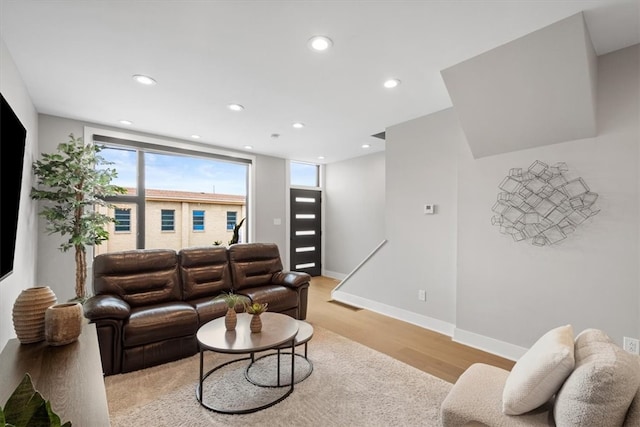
x: 317, y: 167
x: 163, y: 220
x: 200, y: 227
x: 127, y: 212
x: 121, y: 139
x: 230, y: 226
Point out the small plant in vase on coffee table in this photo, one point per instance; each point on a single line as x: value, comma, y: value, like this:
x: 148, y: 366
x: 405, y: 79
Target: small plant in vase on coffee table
x: 232, y: 300
x: 255, y: 309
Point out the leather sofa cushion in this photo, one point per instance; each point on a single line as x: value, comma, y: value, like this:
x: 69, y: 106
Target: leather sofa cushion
x: 209, y: 309
x: 204, y: 271
x: 141, y: 277
x: 253, y: 264
x: 157, y: 353
x: 280, y: 298
x: 159, y: 322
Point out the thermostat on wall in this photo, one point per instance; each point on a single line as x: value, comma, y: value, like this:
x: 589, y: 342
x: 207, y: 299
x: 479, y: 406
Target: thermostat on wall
x: 429, y: 209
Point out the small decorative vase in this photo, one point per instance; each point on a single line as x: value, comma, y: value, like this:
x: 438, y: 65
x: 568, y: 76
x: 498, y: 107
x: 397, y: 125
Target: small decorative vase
x: 28, y: 313
x: 63, y: 323
x: 230, y: 319
x: 256, y: 323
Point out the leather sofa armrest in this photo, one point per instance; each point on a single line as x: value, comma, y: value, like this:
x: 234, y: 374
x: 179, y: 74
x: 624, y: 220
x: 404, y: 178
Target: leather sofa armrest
x: 292, y: 279
x: 106, y: 307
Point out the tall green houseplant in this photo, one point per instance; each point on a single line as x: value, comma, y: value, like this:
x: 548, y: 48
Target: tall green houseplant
x: 73, y: 183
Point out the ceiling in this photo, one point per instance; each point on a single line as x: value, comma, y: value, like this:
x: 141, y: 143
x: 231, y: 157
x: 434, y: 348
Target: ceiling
x: 77, y: 59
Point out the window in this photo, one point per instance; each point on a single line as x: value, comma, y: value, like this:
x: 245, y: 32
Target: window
x: 166, y: 187
x: 305, y: 174
x: 168, y: 220
x: 123, y: 220
x: 232, y: 218
x: 198, y: 220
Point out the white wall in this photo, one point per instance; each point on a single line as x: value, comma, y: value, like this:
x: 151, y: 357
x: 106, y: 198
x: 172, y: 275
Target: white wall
x: 354, y: 212
x: 514, y: 292
x: 57, y: 269
x: 271, y: 202
x: 24, y: 269
x: 499, y: 294
x: 421, y: 169
x: 421, y: 157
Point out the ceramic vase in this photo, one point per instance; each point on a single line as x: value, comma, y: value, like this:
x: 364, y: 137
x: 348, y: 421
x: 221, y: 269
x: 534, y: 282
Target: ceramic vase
x: 230, y: 319
x: 256, y: 323
x: 29, y: 311
x: 63, y: 323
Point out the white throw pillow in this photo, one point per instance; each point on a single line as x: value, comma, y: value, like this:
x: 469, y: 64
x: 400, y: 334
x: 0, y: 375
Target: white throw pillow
x: 540, y: 372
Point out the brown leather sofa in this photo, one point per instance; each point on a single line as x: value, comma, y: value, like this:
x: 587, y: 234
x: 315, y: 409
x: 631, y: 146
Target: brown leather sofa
x: 149, y: 303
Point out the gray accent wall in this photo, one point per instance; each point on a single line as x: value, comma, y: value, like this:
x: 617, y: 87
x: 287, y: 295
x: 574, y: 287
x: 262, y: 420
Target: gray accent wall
x: 354, y: 211
x: 24, y: 268
x: 495, y: 293
x: 420, y: 253
x: 514, y: 292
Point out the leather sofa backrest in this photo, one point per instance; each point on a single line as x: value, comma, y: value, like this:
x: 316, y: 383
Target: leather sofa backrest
x: 204, y: 271
x: 253, y: 264
x: 140, y: 277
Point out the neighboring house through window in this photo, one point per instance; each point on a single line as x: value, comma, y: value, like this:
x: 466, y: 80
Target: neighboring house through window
x: 168, y: 220
x: 123, y: 220
x: 198, y: 220
x: 232, y: 219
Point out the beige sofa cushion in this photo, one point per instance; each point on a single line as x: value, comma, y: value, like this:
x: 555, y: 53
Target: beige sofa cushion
x: 600, y: 389
x: 476, y: 399
x: 540, y: 372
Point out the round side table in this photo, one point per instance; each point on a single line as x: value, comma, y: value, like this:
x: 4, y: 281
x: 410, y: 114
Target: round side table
x: 304, y: 335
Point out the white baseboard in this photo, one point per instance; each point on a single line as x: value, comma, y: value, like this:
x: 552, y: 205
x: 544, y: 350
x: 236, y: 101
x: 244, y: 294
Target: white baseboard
x: 334, y: 275
x: 490, y: 345
x: 471, y: 339
x: 394, y: 312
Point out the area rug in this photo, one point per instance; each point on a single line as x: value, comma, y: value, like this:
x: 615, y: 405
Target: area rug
x: 349, y: 385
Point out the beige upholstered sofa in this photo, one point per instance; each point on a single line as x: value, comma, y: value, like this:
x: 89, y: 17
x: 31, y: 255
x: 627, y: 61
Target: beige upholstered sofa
x: 588, y: 381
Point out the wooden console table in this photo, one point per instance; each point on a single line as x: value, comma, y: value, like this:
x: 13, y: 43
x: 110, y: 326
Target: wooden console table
x: 69, y: 376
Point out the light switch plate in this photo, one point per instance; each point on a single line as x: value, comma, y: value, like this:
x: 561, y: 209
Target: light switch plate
x: 429, y: 209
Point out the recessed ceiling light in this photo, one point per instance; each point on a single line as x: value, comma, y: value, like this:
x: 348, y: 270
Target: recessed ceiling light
x: 391, y: 83
x: 248, y: 147
x: 195, y: 136
x: 298, y: 125
x: 320, y: 43
x: 320, y: 157
x: 366, y: 146
x: 235, y: 107
x: 145, y: 80
x: 126, y: 122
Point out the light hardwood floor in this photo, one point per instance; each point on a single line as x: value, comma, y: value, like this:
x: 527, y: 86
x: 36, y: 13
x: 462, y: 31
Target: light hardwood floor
x: 426, y: 350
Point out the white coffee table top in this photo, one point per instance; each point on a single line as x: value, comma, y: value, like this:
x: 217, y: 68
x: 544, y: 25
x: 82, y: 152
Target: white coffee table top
x: 277, y: 329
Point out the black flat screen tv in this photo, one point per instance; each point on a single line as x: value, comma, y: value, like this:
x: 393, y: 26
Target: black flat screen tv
x: 12, y: 143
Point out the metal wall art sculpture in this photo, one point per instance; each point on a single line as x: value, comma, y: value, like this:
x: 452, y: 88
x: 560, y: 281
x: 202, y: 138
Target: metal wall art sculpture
x: 541, y: 205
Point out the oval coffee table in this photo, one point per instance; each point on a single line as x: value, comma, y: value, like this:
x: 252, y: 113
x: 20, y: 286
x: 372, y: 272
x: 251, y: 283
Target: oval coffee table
x: 305, y: 333
x: 278, y: 330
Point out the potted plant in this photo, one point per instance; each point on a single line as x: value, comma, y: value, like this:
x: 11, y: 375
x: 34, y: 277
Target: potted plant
x: 27, y: 407
x: 255, y: 309
x: 73, y: 183
x: 232, y: 300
